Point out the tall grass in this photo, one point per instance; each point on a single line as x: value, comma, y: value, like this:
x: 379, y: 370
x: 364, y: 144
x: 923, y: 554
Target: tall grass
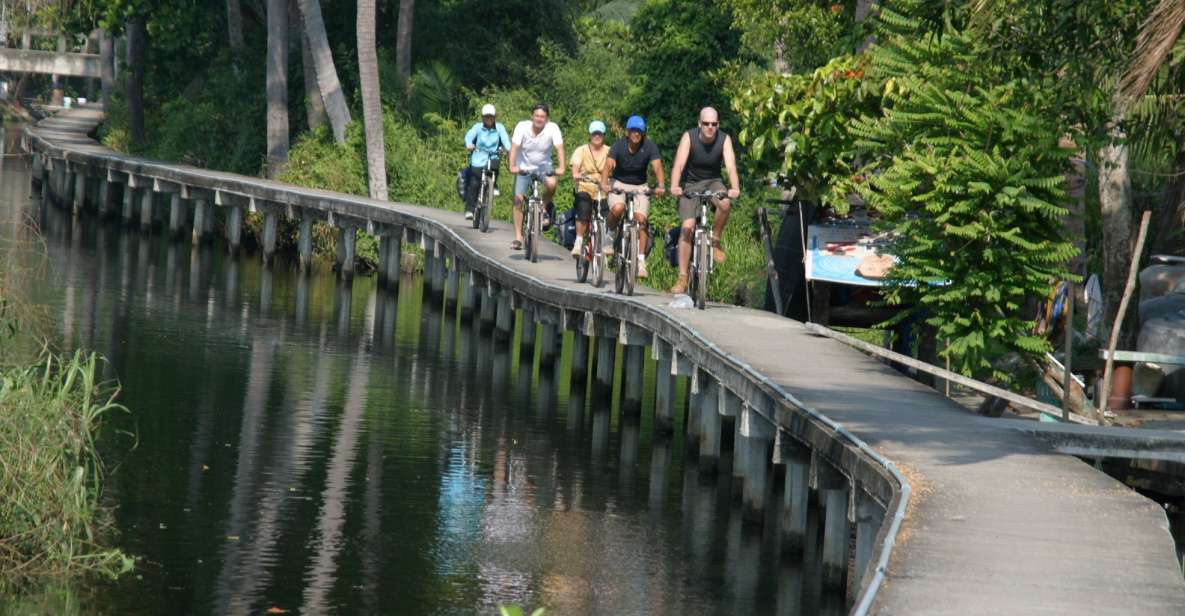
x: 52, y: 516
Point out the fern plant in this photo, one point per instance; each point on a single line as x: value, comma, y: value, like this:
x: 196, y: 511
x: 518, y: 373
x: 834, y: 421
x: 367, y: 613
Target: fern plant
x: 966, y: 170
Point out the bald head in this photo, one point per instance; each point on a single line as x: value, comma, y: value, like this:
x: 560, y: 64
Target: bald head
x: 709, y: 123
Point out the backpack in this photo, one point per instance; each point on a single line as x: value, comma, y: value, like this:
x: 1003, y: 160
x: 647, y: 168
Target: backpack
x: 672, y: 247
x: 566, y: 228
x: 462, y: 176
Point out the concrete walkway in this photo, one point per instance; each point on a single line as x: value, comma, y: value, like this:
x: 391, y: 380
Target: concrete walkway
x: 998, y: 523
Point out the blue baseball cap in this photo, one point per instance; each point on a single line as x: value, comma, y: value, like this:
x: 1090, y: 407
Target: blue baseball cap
x: 596, y: 126
x: 635, y: 123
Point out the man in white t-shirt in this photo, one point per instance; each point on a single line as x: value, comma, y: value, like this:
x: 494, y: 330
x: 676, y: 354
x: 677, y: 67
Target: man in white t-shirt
x: 530, y: 151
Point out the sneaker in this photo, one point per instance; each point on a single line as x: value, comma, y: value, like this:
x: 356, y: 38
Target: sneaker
x: 497, y: 193
x: 578, y: 246
x: 680, y: 287
x: 468, y: 215
x: 641, y: 267
x: 718, y: 252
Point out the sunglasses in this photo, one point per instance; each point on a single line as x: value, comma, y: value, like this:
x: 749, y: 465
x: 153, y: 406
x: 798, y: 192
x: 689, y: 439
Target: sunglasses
x: 709, y: 124
x: 597, y: 133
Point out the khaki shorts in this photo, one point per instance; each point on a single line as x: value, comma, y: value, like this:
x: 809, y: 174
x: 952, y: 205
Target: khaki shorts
x: 641, y: 202
x: 689, y: 208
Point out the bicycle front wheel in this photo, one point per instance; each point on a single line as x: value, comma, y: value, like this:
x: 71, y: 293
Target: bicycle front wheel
x: 582, y: 262
x: 699, y: 279
x: 533, y: 234
x: 487, y: 208
x: 631, y: 273
x: 619, y: 275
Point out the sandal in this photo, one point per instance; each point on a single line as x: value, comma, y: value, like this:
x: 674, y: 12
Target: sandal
x: 516, y: 245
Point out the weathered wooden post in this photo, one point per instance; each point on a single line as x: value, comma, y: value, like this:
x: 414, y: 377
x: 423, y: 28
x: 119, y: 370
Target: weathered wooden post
x: 634, y: 377
x: 129, y: 203
x: 833, y: 491
x: 146, y: 199
x: 504, y: 316
x: 869, y: 517
x: 452, y: 284
x: 469, y: 292
x: 271, y: 224
x: 795, y: 492
x: 548, y: 345
x: 709, y: 418
x: 304, y: 242
x: 756, y: 438
x: 234, y: 228
x: 526, y: 335
x: 79, y: 191
x: 606, y: 356
x: 488, y: 306
x: 394, y: 256
x: 201, y: 211
x: 579, y: 357
x: 347, y: 238
x: 176, y: 215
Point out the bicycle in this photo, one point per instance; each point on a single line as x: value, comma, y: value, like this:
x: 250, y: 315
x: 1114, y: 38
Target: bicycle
x: 702, y: 262
x: 627, y: 238
x: 534, y: 218
x: 484, y: 207
x: 592, y: 256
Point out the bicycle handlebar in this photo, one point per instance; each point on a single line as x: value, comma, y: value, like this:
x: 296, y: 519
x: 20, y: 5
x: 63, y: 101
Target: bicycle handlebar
x: 644, y: 190
x: 537, y: 174
x: 706, y: 195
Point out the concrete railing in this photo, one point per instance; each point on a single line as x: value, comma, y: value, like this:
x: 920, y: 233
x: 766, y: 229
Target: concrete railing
x: 855, y: 484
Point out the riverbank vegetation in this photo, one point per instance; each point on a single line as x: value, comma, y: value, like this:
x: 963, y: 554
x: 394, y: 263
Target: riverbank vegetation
x: 54, y: 524
x: 1006, y: 145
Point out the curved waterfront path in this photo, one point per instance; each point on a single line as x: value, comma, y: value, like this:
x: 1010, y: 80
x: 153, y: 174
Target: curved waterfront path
x: 997, y: 523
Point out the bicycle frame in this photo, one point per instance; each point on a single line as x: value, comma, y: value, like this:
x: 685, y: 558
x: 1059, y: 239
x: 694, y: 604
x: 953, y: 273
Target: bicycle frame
x: 627, y: 232
x: 702, y: 259
x: 534, y: 231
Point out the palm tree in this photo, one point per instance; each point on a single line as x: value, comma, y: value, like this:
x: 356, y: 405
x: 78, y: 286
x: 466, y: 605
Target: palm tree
x: 107, y: 66
x: 314, y: 106
x: 403, y: 38
x: 372, y: 111
x: 277, y: 86
x: 327, y: 83
x: 137, y: 41
x: 234, y: 24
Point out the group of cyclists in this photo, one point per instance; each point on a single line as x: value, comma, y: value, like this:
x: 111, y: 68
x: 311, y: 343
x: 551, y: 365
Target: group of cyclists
x: 703, y: 154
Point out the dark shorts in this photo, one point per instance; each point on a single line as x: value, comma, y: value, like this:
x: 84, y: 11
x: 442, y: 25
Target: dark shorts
x: 688, y: 208
x: 584, y: 205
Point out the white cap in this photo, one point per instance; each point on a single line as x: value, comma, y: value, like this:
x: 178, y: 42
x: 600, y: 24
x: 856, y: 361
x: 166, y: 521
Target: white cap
x: 488, y: 109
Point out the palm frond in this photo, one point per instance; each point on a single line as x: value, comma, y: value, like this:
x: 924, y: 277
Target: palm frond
x: 1158, y: 35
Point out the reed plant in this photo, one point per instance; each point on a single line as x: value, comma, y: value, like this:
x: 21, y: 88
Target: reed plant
x: 52, y: 517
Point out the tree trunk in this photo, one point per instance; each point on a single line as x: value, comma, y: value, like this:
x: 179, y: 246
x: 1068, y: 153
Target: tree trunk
x: 1115, y: 200
x: 137, y: 42
x: 314, y: 106
x: 327, y: 83
x: 107, y: 67
x: 403, y: 40
x: 780, y: 65
x: 234, y: 23
x: 372, y: 109
x: 277, y: 86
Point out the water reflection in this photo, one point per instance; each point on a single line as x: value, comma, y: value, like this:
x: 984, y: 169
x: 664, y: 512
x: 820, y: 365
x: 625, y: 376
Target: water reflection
x: 325, y: 447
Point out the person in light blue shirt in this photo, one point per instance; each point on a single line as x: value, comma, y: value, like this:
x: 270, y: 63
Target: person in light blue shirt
x: 483, y: 142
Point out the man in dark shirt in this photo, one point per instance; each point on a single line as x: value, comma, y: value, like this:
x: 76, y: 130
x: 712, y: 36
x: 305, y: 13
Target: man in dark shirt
x: 626, y: 170
x: 702, y: 152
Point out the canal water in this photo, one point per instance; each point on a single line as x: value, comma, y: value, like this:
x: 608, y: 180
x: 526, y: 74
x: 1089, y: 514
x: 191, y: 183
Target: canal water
x: 299, y: 445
